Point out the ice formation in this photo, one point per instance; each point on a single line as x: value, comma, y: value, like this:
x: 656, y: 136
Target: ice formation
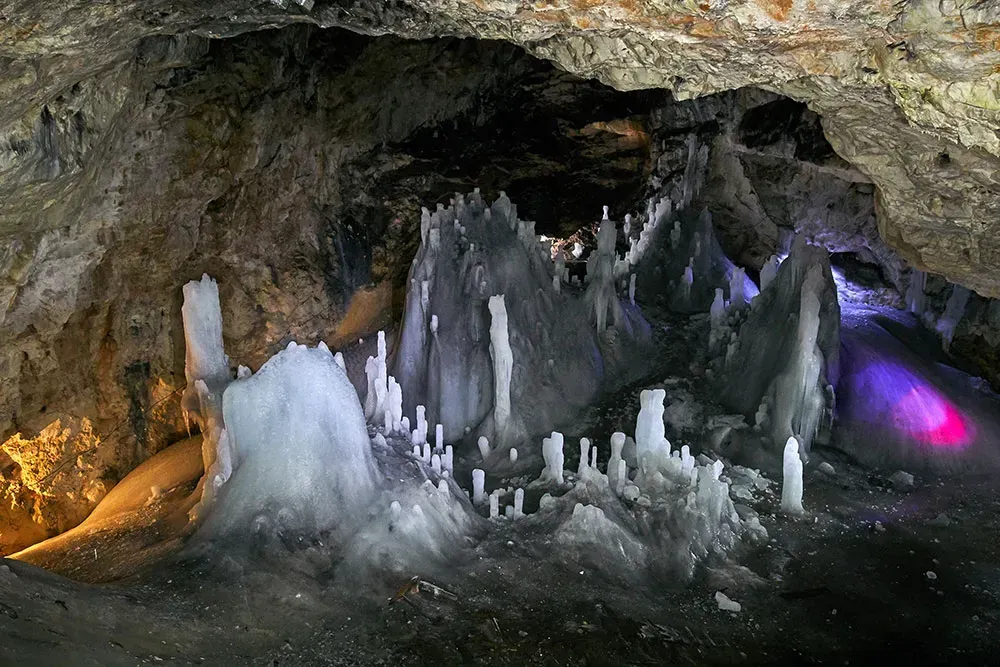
x: 384, y: 398
x: 798, y: 394
x: 915, y: 292
x: 455, y: 275
x: 893, y: 391
x: 584, y: 453
x: 769, y: 271
x: 781, y: 370
x: 503, y: 366
x: 205, y: 359
x: 421, y: 526
x: 518, y: 503
x: 687, y: 515
x: 601, y: 296
x: 791, y: 480
x: 693, y: 260
x: 206, y: 368
x: 737, y: 281
x: 615, y: 475
x: 954, y: 309
x: 478, y: 486
x: 552, y: 452
x: 651, y: 445
x: 301, y: 453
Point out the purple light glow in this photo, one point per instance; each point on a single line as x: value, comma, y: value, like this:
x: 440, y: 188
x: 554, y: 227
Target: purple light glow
x: 885, y: 392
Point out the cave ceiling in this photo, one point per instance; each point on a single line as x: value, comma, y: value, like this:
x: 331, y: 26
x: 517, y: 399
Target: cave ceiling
x: 908, y: 92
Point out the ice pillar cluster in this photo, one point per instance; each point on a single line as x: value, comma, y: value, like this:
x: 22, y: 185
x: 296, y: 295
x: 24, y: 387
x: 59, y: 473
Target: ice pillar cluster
x: 510, y: 354
x: 781, y: 371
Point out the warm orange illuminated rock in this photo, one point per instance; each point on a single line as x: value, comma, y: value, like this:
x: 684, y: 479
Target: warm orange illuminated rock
x: 55, y: 480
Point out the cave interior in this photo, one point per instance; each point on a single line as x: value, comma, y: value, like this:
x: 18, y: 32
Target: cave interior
x: 338, y: 347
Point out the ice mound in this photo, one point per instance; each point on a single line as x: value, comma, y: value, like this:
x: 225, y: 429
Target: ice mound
x: 460, y: 339
x: 415, y: 528
x: 688, y: 259
x: 663, y: 518
x: 781, y: 370
x: 898, y: 405
x: 597, y: 541
x: 301, y: 455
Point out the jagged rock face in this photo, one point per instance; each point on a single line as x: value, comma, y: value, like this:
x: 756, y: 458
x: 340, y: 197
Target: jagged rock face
x: 907, y: 91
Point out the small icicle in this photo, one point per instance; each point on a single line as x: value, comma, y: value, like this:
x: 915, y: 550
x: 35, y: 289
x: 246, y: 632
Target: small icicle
x: 513, y: 455
x: 427, y: 452
x: 593, y: 457
x: 518, y: 503
x: 449, y: 458
x: 439, y: 436
x: 436, y: 463
x: 495, y: 505
x: 484, y: 447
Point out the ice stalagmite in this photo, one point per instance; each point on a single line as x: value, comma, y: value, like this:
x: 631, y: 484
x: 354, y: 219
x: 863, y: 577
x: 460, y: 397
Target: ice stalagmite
x: 584, y: 453
x: 791, y: 484
x: 693, y: 260
x: 737, y: 281
x: 503, y: 365
x: 601, y: 296
x: 205, y: 359
x: 798, y: 393
x: 552, y: 452
x: 651, y: 445
x: 207, y: 371
x: 617, y: 445
x: 478, y: 486
x: 377, y: 397
x: 471, y: 254
x: 394, y: 413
